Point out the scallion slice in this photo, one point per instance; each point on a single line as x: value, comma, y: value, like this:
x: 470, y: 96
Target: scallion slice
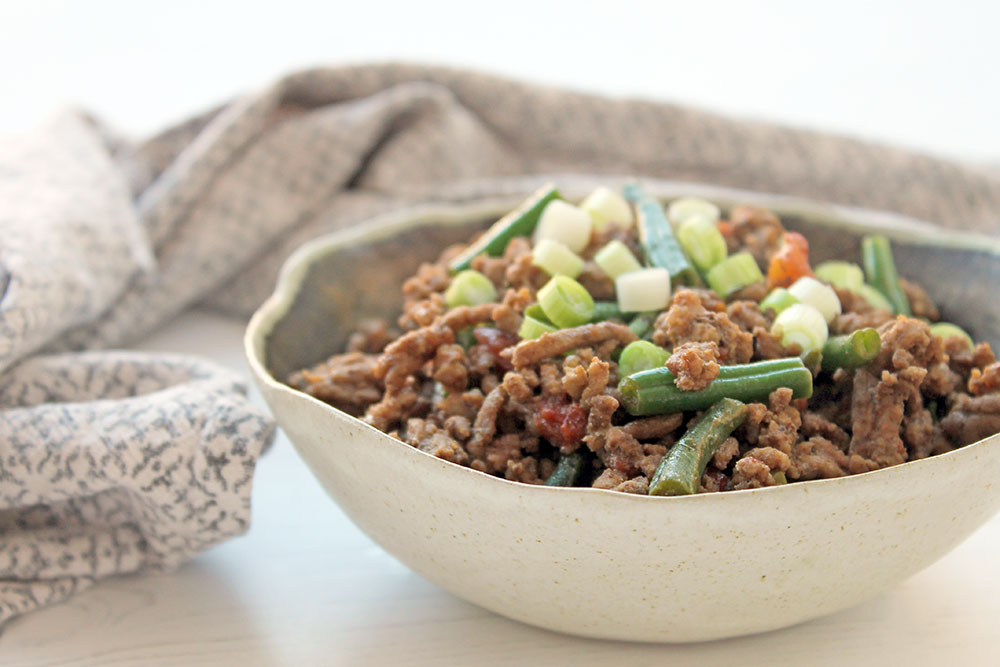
x: 616, y: 259
x: 469, y: 288
x: 818, y: 295
x: 846, y: 275
x: 556, y: 259
x: 803, y: 325
x: 874, y: 298
x: 532, y: 328
x: 702, y: 241
x: 606, y: 207
x: 689, y: 207
x: 734, y: 273
x: 641, y: 355
x: 778, y: 300
x: 646, y: 289
x: 949, y: 330
x: 563, y: 222
x: 566, y: 302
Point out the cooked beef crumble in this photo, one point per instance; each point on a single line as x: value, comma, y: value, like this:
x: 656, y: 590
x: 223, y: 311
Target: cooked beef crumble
x: 459, y: 383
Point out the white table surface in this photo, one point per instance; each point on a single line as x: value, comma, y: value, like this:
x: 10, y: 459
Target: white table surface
x: 306, y: 587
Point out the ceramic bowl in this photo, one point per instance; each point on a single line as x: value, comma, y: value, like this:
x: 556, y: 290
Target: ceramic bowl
x: 605, y: 564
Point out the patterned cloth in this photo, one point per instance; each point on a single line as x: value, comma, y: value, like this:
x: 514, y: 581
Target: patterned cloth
x: 117, y: 462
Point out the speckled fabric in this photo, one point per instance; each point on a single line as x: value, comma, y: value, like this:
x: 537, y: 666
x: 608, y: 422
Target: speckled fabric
x: 117, y: 462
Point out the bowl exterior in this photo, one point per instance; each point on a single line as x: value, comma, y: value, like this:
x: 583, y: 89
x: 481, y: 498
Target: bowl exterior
x: 610, y: 565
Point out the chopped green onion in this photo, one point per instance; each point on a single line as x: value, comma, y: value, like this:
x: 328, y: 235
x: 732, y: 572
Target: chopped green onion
x: 642, y: 323
x: 846, y: 275
x: 777, y: 300
x: 465, y: 337
x: 532, y: 328
x: 734, y: 273
x: 647, y: 289
x: 641, y: 355
x: 851, y: 350
x: 880, y: 268
x: 556, y: 259
x: 607, y: 310
x: 616, y: 259
x: 566, y: 302
x: 802, y: 325
x: 606, y: 207
x: 563, y: 222
x: 685, y: 208
x: 818, y: 295
x: 703, y: 242
x: 874, y: 298
x: 535, y: 311
x: 949, y: 330
x: 470, y: 288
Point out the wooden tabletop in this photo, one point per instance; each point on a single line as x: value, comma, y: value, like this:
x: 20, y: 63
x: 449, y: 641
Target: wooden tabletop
x: 306, y: 587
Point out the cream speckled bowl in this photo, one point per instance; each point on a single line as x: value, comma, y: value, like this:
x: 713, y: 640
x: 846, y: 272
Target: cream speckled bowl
x: 605, y: 564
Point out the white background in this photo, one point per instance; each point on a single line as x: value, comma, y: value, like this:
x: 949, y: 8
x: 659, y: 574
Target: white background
x: 921, y: 74
x: 305, y: 586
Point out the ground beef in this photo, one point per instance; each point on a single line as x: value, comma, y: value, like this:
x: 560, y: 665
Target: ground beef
x: 450, y: 368
x: 485, y: 425
x: 621, y: 452
x: 609, y: 479
x: 426, y: 436
x: 754, y: 292
x: 602, y: 409
x: 751, y: 473
x: 817, y: 458
x: 404, y: 356
x: 694, y: 365
x: 600, y: 285
x: 756, y: 230
x: 651, y: 428
x: 371, y: 337
x: 972, y: 419
x: 877, y: 410
x: 530, y: 352
x: 638, y: 485
x: 747, y: 315
x: 920, y: 303
x: 689, y: 321
x: 345, y: 381
x: 775, y: 459
x: 845, y: 323
x: 775, y: 425
x: 814, y: 423
x: 727, y: 451
x: 985, y: 381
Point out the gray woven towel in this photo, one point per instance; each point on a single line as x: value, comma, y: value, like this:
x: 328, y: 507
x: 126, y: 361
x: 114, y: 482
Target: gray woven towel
x: 117, y: 462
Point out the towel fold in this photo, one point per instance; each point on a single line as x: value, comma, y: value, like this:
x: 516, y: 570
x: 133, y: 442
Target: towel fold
x: 115, y: 462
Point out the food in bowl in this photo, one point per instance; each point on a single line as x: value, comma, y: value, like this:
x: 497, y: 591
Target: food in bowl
x: 622, y: 346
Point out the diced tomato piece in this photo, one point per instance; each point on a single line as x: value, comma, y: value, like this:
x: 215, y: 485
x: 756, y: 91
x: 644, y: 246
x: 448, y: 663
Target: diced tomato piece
x: 562, y: 422
x: 790, y: 263
x: 495, y: 341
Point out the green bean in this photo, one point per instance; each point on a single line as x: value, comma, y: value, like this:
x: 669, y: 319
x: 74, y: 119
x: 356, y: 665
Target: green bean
x: 567, y: 470
x: 852, y: 350
x: 654, y: 392
x: 880, y: 269
x: 519, y: 222
x: 659, y: 245
x: 680, y: 471
x: 642, y: 323
x: 607, y: 310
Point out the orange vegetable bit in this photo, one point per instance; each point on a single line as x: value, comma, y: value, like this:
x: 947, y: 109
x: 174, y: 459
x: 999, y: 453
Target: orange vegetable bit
x: 790, y: 263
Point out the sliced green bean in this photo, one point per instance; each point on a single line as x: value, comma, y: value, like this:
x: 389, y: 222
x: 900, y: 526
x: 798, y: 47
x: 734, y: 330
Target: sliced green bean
x: 519, y: 222
x: 680, y: 471
x: 659, y: 245
x: 654, y: 392
x: 607, y: 310
x: 567, y: 470
x: 851, y: 350
x: 642, y: 323
x: 880, y: 269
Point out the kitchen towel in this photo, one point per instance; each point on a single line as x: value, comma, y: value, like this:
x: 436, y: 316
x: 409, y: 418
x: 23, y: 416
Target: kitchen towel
x: 115, y: 461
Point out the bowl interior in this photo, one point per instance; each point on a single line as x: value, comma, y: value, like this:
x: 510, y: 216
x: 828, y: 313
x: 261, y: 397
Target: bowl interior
x: 360, y: 278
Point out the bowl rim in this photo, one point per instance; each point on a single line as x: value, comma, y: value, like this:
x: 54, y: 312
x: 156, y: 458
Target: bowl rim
x: 296, y: 267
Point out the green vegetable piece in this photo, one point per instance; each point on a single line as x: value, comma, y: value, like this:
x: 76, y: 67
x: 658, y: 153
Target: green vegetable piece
x: 846, y: 275
x: 852, y: 350
x: 880, y: 268
x: 532, y: 328
x: 607, y: 310
x: 779, y: 478
x: 659, y: 245
x: 519, y: 222
x: 642, y: 323
x: 567, y: 470
x: 874, y: 297
x: 948, y: 330
x: 680, y: 471
x: 465, y: 337
x: 734, y: 273
x: 777, y: 300
x: 703, y: 242
x: 654, y: 392
x: 566, y: 302
x: 641, y: 355
x: 470, y: 288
